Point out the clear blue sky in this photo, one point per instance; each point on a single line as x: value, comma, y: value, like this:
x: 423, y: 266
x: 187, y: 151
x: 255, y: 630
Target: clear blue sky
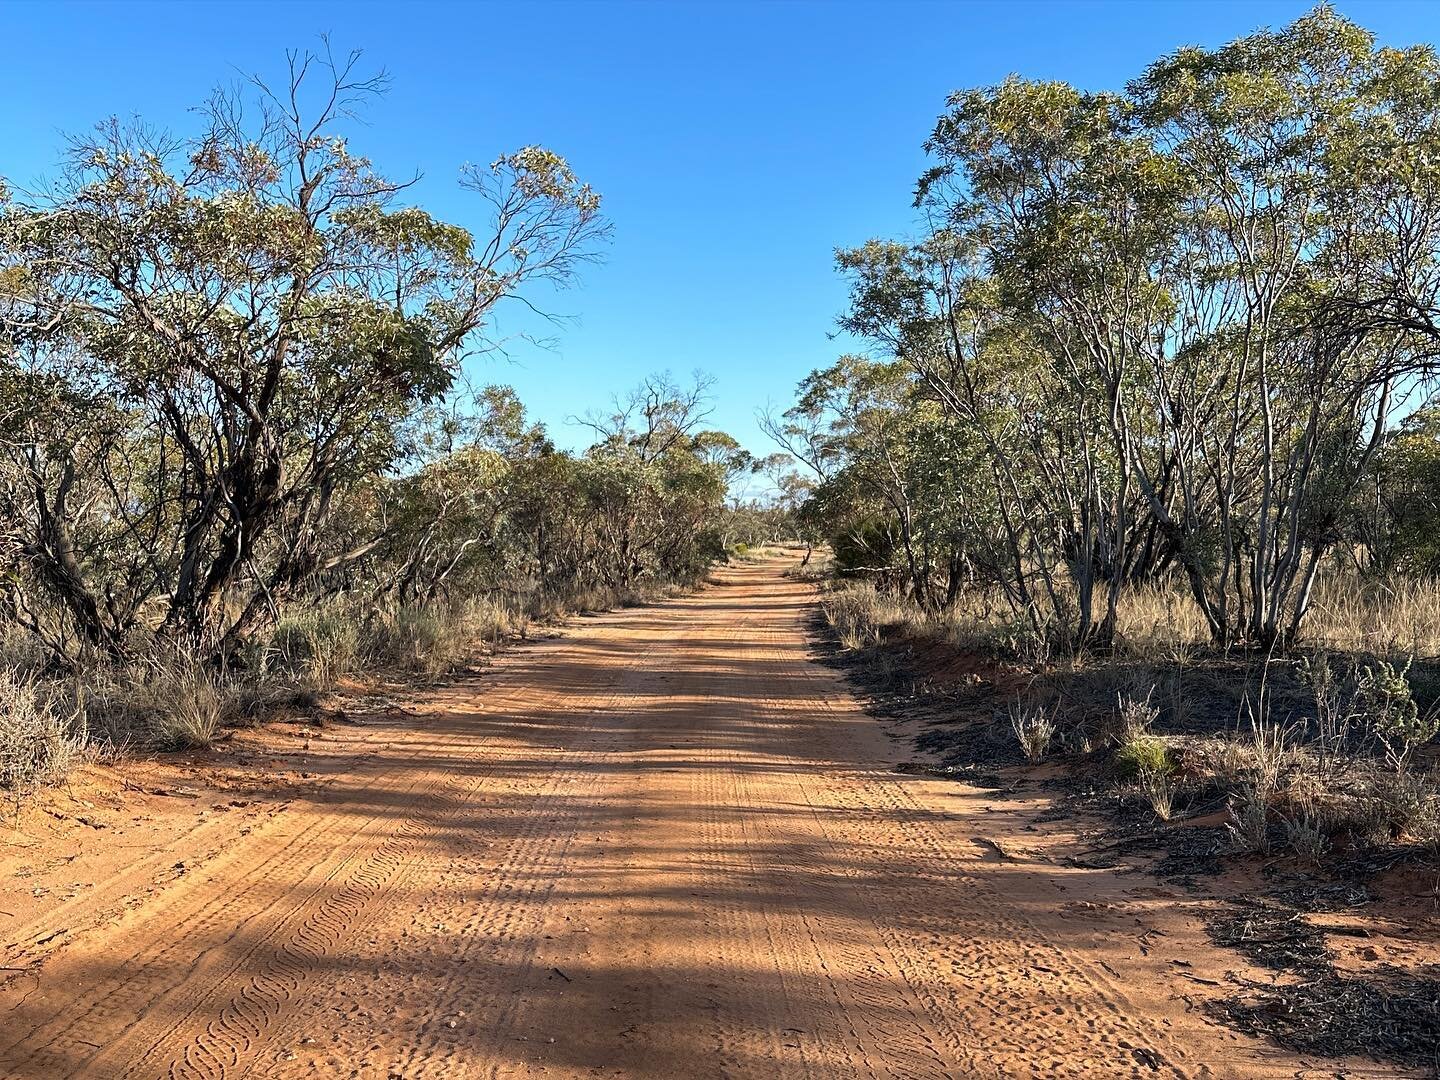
x: 736, y: 144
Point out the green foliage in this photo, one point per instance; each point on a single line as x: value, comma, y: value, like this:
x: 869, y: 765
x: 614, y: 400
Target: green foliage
x: 864, y: 546
x: 1383, y: 698
x: 1143, y: 755
x: 1403, y: 529
x: 493, y: 507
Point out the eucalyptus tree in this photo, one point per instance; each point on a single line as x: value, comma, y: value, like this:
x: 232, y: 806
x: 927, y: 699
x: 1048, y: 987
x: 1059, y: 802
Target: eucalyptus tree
x: 489, y: 505
x: 448, y: 519
x: 892, y: 477
x: 1278, y: 406
x: 651, y: 488
x: 208, y: 342
x: 863, y: 409
x: 1054, y: 224
x: 1042, y: 519
x: 1175, y: 324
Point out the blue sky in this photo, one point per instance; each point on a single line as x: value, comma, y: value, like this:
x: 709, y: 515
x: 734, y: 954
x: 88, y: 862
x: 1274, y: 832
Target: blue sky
x: 736, y: 144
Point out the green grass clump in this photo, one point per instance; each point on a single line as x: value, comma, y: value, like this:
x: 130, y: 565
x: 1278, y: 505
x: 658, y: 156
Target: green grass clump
x: 1145, y: 755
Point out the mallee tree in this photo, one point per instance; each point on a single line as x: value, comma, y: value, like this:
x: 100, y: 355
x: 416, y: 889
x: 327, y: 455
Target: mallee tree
x: 206, y: 343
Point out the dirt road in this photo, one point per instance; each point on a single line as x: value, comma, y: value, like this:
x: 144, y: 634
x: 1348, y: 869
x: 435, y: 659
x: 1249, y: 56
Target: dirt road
x: 666, y: 844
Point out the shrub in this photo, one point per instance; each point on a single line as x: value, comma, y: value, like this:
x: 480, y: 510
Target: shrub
x: 1249, y: 824
x: 1384, y: 697
x: 1306, y: 838
x: 1403, y: 805
x: 39, y: 738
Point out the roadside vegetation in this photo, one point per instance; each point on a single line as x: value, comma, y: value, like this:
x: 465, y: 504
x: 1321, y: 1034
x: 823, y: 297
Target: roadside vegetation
x: 1147, y: 409
x: 1145, y: 417
x: 239, y: 460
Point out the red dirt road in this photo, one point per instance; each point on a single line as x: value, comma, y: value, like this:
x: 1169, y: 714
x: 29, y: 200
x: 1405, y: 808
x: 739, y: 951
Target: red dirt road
x: 666, y: 844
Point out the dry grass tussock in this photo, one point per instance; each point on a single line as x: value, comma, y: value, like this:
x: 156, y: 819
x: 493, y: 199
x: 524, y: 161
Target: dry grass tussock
x: 1350, y: 614
x: 861, y: 614
x: 315, y: 649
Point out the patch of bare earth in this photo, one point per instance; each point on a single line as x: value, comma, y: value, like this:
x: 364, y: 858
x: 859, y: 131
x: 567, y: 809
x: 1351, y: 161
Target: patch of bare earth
x: 667, y: 843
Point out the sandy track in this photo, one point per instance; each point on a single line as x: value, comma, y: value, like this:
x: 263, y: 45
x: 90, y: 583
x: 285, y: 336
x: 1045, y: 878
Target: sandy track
x: 665, y: 845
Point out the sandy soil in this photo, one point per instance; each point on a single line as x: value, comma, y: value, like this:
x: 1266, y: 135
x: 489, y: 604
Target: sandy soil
x: 664, y: 844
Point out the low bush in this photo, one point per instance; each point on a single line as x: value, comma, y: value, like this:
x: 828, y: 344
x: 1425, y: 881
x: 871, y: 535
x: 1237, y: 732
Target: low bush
x: 40, y: 735
x: 1403, y: 805
x: 1249, y: 819
x: 1384, y: 698
x: 1034, y: 729
x: 1135, y: 714
x: 1307, y: 838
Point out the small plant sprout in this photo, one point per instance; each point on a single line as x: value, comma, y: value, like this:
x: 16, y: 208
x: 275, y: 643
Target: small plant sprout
x: 1249, y: 818
x: 1034, y: 728
x: 1159, y: 787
